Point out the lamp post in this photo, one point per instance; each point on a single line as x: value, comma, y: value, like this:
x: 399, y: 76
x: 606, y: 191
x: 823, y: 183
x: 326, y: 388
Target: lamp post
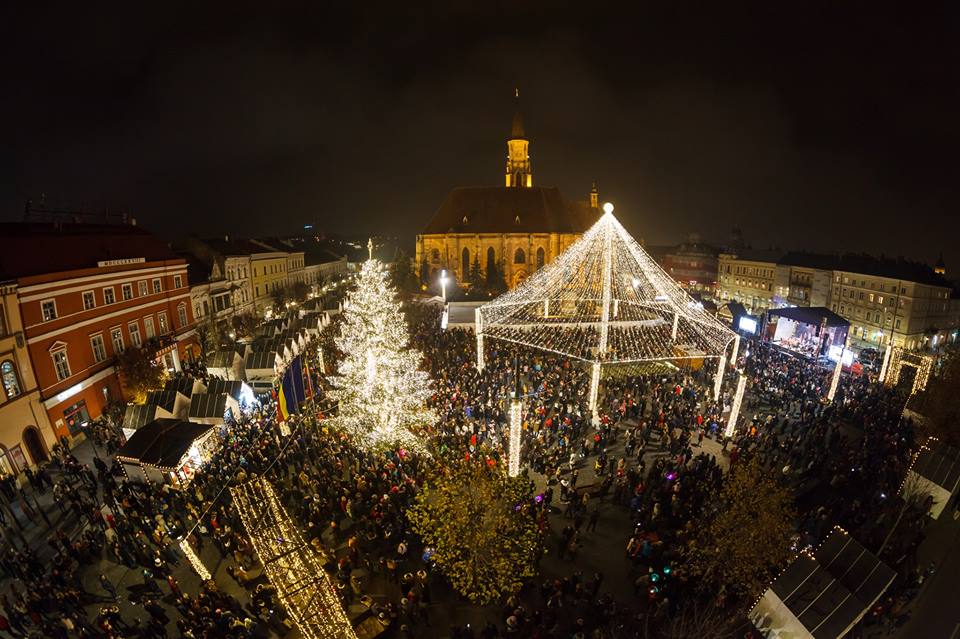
x: 443, y: 285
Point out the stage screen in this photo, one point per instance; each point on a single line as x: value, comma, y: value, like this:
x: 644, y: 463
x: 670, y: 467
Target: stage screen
x: 748, y: 325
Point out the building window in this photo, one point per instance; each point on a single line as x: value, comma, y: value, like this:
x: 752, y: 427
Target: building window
x: 148, y: 327
x: 116, y: 338
x: 99, y: 350
x: 49, y: 309
x: 162, y: 323
x: 519, y: 257
x: 89, y: 300
x: 60, y: 364
x: 182, y: 315
x: 156, y: 285
x: 898, y: 323
x: 134, y: 329
x: 127, y: 291
x: 108, y: 295
x: 11, y: 382
x: 177, y: 281
x: 142, y: 288
x: 540, y: 257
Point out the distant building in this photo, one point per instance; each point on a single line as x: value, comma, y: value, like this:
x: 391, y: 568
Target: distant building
x: 693, y: 265
x: 516, y: 228
x: 85, y: 293
x: 885, y: 300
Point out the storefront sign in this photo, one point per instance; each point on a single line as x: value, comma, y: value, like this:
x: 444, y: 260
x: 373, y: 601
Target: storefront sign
x: 127, y: 260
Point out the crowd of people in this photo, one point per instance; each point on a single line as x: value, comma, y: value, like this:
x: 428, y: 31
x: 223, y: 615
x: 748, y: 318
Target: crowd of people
x: 645, y: 457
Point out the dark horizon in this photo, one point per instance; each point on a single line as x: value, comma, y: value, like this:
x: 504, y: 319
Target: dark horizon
x: 828, y: 130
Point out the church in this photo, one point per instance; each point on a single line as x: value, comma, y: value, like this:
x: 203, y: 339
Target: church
x: 513, y: 229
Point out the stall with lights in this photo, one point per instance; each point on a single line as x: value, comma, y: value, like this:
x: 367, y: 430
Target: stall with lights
x: 934, y: 474
x: 168, y: 451
x: 605, y: 301
x: 824, y: 592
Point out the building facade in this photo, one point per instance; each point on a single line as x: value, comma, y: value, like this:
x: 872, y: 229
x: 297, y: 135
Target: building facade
x: 85, y: 293
x: 26, y: 435
x: 748, y: 277
x: 693, y: 265
x: 514, y: 230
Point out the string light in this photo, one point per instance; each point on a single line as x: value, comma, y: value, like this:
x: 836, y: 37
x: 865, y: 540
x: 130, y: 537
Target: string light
x: 565, y: 307
x: 835, y: 381
x: 478, y: 323
x: 736, y: 348
x: 886, y: 362
x: 382, y: 392
x: 604, y: 265
x: 194, y: 560
x: 735, y: 407
x: 718, y: 378
x: 516, y: 424
x: 291, y: 564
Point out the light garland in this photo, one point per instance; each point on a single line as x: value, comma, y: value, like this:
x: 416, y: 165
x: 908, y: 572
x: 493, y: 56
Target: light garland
x: 194, y: 560
x: 594, y: 388
x: 566, y: 306
x: 835, y: 380
x: 380, y: 387
x: 478, y: 324
x: 291, y: 564
x: 736, y: 348
x: 718, y: 378
x: 886, y: 361
x: 516, y: 424
x: 735, y: 407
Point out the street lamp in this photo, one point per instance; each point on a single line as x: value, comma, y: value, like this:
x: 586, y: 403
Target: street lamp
x: 443, y: 285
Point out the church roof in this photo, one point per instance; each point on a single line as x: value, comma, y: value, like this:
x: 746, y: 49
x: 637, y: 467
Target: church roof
x: 498, y: 209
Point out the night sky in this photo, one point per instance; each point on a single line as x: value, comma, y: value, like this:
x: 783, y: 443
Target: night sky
x: 806, y: 126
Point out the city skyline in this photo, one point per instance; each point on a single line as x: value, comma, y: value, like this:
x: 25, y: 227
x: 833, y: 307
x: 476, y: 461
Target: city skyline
x: 360, y: 121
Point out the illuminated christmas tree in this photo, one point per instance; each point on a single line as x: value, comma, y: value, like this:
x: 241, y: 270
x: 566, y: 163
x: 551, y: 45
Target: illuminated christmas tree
x: 380, y: 387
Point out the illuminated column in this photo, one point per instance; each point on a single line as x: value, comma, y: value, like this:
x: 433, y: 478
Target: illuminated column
x: 886, y: 362
x: 736, y: 348
x: 735, y: 408
x: 594, y: 388
x: 478, y: 323
x: 923, y: 374
x: 516, y: 423
x: 616, y: 307
x: 546, y: 308
x: 718, y: 379
x: 835, y: 381
x: 604, y: 311
x: 194, y: 560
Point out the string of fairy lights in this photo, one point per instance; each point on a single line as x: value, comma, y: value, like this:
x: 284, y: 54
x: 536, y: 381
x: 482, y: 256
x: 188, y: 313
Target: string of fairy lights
x: 605, y: 300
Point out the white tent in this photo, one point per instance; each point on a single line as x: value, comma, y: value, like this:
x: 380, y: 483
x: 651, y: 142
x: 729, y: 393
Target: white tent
x: 935, y: 472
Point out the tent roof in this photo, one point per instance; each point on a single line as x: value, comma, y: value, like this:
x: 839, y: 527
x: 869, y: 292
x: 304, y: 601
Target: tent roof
x: 560, y: 308
x: 810, y: 315
x: 205, y: 405
x: 830, y: 590
x: 225, y: 387
x: 940, y: 464
x: 163, y: 442
x: 137, y: 415
x: 165, y: 399
x: 260, y: 359
x: 223, y: 359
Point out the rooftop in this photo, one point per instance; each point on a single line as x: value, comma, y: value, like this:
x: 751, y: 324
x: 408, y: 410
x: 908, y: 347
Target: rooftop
x: 38, y: 248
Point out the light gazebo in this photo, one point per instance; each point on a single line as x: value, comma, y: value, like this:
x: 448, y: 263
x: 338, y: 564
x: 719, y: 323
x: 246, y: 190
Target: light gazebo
x: 606, y: 301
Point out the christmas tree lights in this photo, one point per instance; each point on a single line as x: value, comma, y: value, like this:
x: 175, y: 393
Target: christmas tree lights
x: 293, y: 567
x: 516, y: 425
x: 735, y: 407
x: 381, y: 391
x: 194, y: 560
x: 835, y: 380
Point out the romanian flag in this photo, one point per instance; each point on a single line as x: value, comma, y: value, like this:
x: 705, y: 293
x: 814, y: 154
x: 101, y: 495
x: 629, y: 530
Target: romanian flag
x: 287, y: 396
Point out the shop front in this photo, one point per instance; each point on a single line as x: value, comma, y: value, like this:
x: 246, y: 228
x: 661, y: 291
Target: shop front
x: 70, y: 409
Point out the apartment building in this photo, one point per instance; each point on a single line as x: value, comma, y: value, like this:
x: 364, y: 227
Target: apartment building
x: 221, y: 276
x: 693, y: 265
x: 85, y: 293
x: 748, y: 277
x: 885, y: 300
x: 26, y: 435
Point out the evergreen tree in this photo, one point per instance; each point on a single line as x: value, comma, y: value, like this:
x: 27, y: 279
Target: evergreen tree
x: 382, y: 392
x: 476, y: 277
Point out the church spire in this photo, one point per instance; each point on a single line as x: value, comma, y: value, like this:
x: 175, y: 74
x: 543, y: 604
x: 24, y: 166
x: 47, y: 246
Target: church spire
x: 519, y: 172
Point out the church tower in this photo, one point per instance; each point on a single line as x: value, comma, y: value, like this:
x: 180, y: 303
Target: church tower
x: 519, y: 172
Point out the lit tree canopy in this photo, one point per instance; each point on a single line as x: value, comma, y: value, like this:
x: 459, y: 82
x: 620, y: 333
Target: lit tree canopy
x: 382, y: 392
x: 139, y: 372
x: 481, y: 527
x: 605, y: 300
x: 747, y: 539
